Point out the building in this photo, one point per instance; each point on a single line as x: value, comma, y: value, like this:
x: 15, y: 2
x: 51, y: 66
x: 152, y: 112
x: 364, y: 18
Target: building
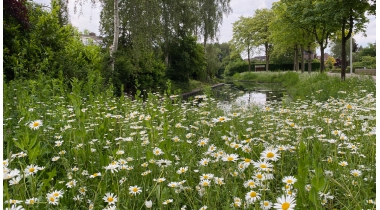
x: 91, y: 38
x: 325, y: 57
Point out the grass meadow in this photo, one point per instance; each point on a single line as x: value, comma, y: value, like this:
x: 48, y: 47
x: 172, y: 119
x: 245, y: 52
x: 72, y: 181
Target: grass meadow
x: 86, y: 149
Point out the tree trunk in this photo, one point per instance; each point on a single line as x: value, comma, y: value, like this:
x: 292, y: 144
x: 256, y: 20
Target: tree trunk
x: 249, y: 60
x: 302, y: 59
x: 344, y: 40
x: 296, y: 64
x: 322, y: 59
x: 266, y: 56
x: 309, y: 59
x: 115, y: 34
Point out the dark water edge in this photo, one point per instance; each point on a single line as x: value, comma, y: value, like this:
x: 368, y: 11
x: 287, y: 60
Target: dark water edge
x: 244, y: 94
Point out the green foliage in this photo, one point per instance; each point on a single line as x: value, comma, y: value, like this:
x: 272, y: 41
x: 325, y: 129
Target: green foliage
x: 50, y: 49
x: 366, y: 61
x: 145, y: 72
x: 236, y: 67
x: 213, y: 61
x: 370, y: 50
x: 186, y: 60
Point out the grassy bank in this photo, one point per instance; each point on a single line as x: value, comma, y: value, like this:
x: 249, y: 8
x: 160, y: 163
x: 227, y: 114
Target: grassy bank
x: 319, y: 86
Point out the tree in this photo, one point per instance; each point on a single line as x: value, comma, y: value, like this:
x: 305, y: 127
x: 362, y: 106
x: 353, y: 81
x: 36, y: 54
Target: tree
x: 211, y: 16
x: 187, y: 60
x: 288, y: 33
x: 212, y: 54
x: 242, y: 38
x: 336, y: 48
x: 261, y: 33
x: 351, y: 16
x: 368, y: 51
x: 315, y: 17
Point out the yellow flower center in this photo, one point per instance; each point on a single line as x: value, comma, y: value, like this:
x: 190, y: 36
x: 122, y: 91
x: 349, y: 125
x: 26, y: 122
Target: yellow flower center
x: 356, y: 174
x: 253, y: 194
x: 52, y: 199
x: 285, y: 206
x: 247, y: 160
x: 31, y: 170
x: 259, y: 176
x: 270, y: 155
x: 263, y: 166
x: 31, y: 201
x: 266, y: 203
x: 230, y: 158
x: 289, y: 181
x: 110, y: 199
x: 36, y: 124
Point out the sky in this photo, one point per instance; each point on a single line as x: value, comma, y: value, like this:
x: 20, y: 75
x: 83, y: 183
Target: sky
x: 90, y: 17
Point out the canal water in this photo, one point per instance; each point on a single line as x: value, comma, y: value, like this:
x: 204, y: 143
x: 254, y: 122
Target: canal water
x: 246, y: 94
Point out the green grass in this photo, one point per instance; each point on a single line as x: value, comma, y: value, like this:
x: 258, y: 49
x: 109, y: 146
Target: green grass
x: 118, y: 141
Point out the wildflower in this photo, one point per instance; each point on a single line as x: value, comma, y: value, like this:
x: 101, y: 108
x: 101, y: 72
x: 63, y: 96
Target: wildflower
x: 250, y: 183
x: 157, y: 151
x: 263, y: 165
x: 343, y: 163
x: 35, y: 125
x: 55, y: 158
x: 219, y: 181
x: 237, y: 202
x: 32, y: 169
x: 205, y: 183
x: 31, y: 201
x: 202, y: 142
x: 285, y: 202
x: 266, y: 205
x: 120, y: 152
x: 95, y: 175
x: 13, y: 201
x: 289, y: 180
x: 112, y: 207
x: 159, y: 180
x: 57, y: 193
x: 112, y: 166
x: 52, y: 199
x: 182, y: 170
x: 15, y: 180
x: 252, y: 196
x: 71, y: 183
x: 173, y: 184
x: 270, y: 154
x: 163, y: 163
x: 10, y: 174
x: 308, y: 187
x: 14, y: 207
x: 356, y: 173
x: 110, y: 198
x: 58, y: 143
x: 204, y: 161
x: 134, y: 190
x: 148, y: 204
x: 230, y: 157
x: 166, y: 202
x: 82, y: 190
x: 203, y: 208
x: 221, y: 119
